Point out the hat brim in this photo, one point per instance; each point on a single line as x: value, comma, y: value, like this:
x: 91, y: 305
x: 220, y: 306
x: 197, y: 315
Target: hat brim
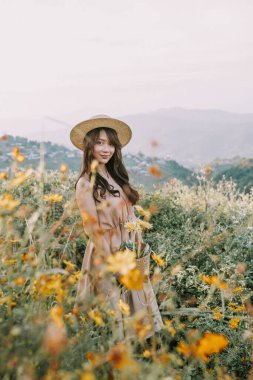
x: 79, y: 131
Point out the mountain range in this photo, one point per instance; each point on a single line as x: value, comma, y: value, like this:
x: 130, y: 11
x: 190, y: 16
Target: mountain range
x: 192, y: 137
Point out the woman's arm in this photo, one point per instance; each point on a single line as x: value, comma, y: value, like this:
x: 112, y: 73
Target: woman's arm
x: 87, y: 207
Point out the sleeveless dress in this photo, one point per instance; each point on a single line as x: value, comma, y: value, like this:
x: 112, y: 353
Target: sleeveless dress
x: 111, y: 214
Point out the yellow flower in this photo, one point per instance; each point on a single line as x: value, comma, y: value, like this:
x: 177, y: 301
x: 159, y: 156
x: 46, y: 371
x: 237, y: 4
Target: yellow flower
x: 214, y: 280
x: 69, y: 265
x: 141, y: 211
x: 132, y: 226
x: 239, y: 289
x: 146, y: 354
x: 169, y: 327
x: 53, y: 198
x: 19, y: 157
x: 48, y: 285
x: 124, y: 307
x: 9, y: 261
x: 111, y: 312
x: 21, y: 177
x: 233, y: 323
x: 88, y: 375
x: 240, y: 308
x: 7, y: 202
x: 143, y: 224
x: 9, y: 302
x: 134, y: 279
x: 121, y: 262
x: 159, y: 261
x: 3, y: 175
x: 96, y: 316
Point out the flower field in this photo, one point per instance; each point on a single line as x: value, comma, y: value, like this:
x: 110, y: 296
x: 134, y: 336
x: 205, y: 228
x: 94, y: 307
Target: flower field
x: 201, y: 270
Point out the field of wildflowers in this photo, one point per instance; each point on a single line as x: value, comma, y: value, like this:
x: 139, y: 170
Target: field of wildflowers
x: 201, y: 270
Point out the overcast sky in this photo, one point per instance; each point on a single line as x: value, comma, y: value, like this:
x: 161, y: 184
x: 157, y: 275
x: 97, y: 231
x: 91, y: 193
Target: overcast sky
x: 115, y: 57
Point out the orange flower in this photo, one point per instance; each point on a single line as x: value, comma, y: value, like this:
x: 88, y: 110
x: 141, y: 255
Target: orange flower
x: 233, y: 323
x: 134, y: 279
x: 208, y: 344
x: 155, y: 171
x: 119, y: 358
x: 214, y: 280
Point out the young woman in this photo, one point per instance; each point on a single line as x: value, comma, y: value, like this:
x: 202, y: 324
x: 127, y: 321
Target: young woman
x: 105, y: 199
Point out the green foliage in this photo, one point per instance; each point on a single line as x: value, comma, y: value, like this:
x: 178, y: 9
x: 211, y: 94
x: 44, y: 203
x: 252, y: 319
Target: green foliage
x: 201, y: 230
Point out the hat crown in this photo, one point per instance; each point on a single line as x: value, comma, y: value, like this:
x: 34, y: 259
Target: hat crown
x: 100, y: 117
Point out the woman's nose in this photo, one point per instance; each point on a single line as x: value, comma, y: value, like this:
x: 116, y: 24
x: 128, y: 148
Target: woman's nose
x: 106, y: 148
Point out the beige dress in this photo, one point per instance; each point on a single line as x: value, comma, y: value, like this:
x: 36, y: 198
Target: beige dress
x: 109, y: 216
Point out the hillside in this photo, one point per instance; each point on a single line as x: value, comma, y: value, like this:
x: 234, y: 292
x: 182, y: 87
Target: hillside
x: 238, y: 168
x: 55, y: 154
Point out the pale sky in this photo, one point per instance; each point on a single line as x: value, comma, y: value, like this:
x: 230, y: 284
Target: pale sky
x: 115, y: 57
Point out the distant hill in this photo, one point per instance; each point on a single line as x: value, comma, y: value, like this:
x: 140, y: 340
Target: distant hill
x: 191, y: 137
x: 238, y: 168
x: 241, y: 172
x: 138, y: 165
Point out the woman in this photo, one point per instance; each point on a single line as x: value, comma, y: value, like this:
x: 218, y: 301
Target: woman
x: 105, y: 199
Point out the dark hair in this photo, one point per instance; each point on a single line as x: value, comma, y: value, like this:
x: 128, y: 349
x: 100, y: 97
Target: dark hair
x: 115, y: 166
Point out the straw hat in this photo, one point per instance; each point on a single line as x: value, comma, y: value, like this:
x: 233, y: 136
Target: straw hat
x: 78, y: 132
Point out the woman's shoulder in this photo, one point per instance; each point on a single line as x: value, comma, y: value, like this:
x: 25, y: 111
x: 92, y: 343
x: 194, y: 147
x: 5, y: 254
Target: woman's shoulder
x: 83, y: 181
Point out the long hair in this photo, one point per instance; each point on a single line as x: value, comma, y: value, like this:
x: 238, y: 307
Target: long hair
x: 115, y: 166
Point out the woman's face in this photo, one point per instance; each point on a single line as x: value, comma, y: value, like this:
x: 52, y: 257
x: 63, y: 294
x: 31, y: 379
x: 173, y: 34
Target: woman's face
x: 103, y: 150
